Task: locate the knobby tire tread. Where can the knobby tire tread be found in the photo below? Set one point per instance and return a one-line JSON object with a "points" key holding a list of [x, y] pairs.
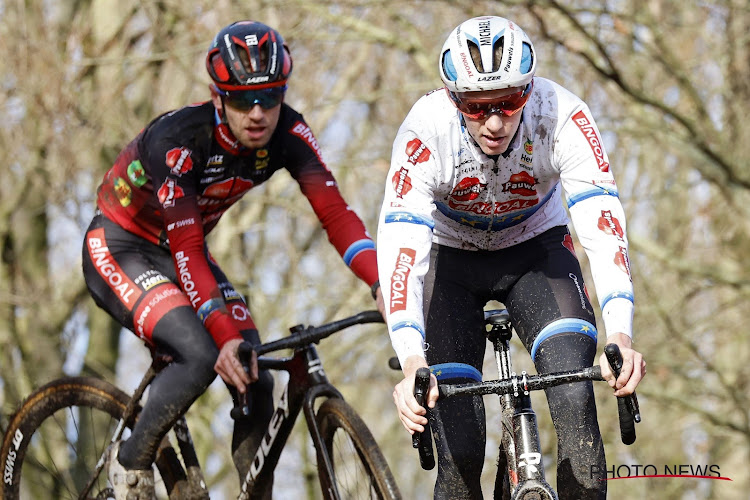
{"points": [[89, 392], [335, 414]]}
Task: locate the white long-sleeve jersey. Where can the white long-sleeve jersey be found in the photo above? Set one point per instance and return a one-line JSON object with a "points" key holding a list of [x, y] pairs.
{"points": [[441, 188]]}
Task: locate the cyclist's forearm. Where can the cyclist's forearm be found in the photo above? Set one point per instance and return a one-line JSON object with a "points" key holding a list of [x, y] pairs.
{"points": [[412, 363], [621, 339]]}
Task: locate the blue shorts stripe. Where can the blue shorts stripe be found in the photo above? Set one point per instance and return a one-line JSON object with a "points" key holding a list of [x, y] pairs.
{"points": [[565, 325], [446, 371]]}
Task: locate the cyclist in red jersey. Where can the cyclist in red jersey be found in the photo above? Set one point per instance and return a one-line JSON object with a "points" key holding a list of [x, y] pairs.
{"points": [[145, 258]]}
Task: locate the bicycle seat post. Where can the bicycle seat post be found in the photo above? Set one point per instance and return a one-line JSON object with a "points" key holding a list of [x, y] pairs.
{"points": [[499, 331]]}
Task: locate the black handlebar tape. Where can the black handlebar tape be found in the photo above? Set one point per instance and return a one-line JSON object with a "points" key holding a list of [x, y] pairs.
{"points": [[244, 401], [627, 406], [423, 441]]}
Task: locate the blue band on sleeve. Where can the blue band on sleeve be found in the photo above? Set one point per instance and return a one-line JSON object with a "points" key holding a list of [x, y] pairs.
{"points": [[446, 371], [209, 306], [357, 247], [409, 218], [408, 324], [617, 295], [599, 191], [565, 325]]}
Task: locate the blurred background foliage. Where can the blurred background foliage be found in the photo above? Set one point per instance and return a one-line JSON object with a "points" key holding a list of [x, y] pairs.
{"points": [[668, 82]]}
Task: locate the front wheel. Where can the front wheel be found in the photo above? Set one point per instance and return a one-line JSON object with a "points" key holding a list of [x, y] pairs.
{"points": [[359, 468], [57, 437]]}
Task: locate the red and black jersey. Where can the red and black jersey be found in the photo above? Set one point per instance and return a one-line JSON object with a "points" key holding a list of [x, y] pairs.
{"points": [[175, 180]]}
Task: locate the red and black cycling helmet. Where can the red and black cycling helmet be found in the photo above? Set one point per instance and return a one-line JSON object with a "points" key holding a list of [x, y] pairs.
{"points": [[248, 55]]}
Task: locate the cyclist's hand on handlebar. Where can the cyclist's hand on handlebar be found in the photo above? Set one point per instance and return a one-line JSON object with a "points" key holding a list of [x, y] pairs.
{"points": [[229, 367], [412, 415], [633, 366]]}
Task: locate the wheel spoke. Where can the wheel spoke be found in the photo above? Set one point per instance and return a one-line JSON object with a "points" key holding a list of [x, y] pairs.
{"points": [[57, 437], [359, 468]]}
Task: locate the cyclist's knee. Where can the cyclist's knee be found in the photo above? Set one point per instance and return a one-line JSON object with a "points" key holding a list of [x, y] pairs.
{"points": [[182, 336], [199, 368]]}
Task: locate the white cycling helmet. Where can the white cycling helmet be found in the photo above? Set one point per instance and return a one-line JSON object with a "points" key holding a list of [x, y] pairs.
{"points": [[487, 53]]}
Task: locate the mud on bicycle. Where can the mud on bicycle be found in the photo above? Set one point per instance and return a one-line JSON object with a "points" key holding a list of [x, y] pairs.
{"points": [[520, 464], [57, 440]]}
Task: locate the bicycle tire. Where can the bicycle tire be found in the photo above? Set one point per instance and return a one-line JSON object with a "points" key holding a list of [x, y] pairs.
{"points": [[359, 467], [43, 449]]}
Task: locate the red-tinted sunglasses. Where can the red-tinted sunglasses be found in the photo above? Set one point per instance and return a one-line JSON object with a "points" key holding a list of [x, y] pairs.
{"points": [[477, 108]]}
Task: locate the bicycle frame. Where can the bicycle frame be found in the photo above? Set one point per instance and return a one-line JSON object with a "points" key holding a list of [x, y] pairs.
{"points": [[349, 460], [522, 456], [307, 382]]}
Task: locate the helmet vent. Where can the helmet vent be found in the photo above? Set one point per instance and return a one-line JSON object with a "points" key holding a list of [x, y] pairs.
{"points": [[527, 58], [448, 68], [476, 55], [220, 71], [258, 62], [497, 53]]}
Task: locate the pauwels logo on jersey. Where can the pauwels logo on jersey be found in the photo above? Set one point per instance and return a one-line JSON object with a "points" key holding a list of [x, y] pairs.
{"points": [[226, 189], [610, 225], [417, 152], [586, 126], [623, 261], [468, 189], [401, 182], [404, 265], [169, 192], [178, 160], [521, 184]]}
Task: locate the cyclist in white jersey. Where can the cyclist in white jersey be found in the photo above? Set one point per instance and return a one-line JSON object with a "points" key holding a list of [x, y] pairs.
{"points": [[472, 212]]}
